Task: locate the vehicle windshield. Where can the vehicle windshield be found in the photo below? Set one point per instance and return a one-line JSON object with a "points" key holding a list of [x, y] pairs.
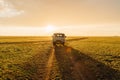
{"points": [[59, 35]]}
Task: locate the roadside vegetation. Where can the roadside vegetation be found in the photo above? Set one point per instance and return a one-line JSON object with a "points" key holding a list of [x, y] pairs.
{"points": [[105, 51], [28, 58], [25, 39], [22, 61]]}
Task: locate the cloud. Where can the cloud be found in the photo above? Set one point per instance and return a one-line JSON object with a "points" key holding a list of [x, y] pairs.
{"points": [[8, 10]]}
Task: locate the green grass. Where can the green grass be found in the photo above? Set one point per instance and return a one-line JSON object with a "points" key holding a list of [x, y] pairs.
{"points": [[24, 57], [7, 39], [21, 61], [103, 49]]}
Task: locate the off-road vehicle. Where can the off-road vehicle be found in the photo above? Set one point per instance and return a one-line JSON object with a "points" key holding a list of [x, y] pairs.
{"points": [[58, 38]]}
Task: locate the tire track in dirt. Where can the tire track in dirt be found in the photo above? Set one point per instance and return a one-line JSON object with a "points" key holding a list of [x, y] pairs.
{"points": [[69, 68], [80, 71], [76, 71], [49, 65], [72, 69]]}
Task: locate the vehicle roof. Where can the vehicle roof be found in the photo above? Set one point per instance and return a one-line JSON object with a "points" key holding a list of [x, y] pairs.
{"points": [[58, 33]]}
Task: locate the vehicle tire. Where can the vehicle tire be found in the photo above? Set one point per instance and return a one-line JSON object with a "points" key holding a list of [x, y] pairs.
{"points": [[63, 44], [54, 43]]}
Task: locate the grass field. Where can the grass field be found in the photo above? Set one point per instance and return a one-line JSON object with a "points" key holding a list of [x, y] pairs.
{"points": [[20, 61], [25, 58], [26, 39], [103, 50]]}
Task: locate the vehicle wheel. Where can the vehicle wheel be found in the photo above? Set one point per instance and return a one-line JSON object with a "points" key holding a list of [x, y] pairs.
{"points": [[63, 44], [54, 44]]}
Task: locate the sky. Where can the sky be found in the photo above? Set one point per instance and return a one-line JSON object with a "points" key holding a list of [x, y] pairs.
{"points": [[72, 17]]}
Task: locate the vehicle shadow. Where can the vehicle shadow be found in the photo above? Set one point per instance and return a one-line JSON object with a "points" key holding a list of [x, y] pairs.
{"points": [[75, 65]]}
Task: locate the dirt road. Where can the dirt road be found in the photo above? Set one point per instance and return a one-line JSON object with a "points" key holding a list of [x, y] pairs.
{"points": [[49, 65], [67, 63], [68, 68]]}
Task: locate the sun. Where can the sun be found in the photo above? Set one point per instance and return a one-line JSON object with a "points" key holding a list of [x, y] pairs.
{"points": [[50, 28]]}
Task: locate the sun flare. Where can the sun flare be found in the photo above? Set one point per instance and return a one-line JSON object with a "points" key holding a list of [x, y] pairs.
{"points": [[50, 28]]}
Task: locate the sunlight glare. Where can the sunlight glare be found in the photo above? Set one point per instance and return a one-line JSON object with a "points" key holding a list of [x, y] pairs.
{"points": [[50, 28]]}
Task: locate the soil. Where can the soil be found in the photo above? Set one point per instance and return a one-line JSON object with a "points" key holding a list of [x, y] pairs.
{"points": [[70, 68]]}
